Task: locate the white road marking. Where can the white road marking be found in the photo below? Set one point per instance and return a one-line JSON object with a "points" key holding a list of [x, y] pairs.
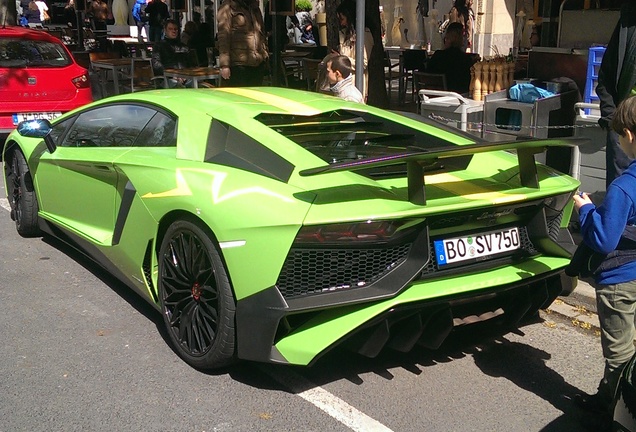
{"points": [[321, 398], [4, 203]]}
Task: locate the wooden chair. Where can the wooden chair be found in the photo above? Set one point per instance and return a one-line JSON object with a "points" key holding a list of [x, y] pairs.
{"points": [[142, 76], [412, 60], [429, 81], [103, 77], [391, 71], [310, 72]]}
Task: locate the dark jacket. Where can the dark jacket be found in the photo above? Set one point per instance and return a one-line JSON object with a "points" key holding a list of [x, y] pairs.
{"points": [[455, 64], [616, 76], [170, 53], [32, 16], [157, 12]]}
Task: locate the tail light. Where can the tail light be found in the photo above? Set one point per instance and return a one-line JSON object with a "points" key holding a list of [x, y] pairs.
{"points": [[375, 232], [81, 81]]}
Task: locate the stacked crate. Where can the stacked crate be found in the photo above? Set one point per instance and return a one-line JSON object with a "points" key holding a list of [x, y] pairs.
{"points": [[595, 57]]}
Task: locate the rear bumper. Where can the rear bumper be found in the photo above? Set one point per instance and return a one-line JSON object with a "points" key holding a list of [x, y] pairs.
{"points": [[424, 314]]}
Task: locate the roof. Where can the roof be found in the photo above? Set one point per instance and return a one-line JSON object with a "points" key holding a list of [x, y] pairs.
{"points": [[27, 33], [248, 101]]}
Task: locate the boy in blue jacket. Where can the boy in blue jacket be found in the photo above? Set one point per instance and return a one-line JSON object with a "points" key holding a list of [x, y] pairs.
{"points": [[602, 228]]}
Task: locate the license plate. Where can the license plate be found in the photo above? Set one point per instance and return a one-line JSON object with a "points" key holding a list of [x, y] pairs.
{"points": [[17, 118], [476, 247]]}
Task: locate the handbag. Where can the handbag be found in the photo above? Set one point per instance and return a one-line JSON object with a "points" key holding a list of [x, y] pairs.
{"points": [[442, 27], [586, 262]]}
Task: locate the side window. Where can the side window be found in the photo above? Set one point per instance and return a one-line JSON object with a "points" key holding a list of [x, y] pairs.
{"points": [[60, 128], [161, 131], [109, 126]]}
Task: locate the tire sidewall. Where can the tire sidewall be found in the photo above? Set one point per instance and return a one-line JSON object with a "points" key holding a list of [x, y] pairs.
{"points": [[26, 215], [221, 352]]}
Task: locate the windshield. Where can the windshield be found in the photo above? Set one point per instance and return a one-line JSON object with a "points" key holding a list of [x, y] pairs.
{"points": [[18, 53]]}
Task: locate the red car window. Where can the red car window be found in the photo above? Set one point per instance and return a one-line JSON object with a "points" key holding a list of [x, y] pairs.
{"points": [[17, 53]]}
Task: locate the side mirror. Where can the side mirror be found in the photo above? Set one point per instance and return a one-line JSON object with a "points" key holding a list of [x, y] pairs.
{"points": [[39, 128]]}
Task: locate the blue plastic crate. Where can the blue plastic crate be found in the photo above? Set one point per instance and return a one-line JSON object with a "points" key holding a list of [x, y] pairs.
{"points": [[595, 57]]}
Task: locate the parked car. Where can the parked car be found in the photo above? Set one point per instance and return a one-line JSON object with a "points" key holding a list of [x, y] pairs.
{"points": [[272, 225], [39, 78]]}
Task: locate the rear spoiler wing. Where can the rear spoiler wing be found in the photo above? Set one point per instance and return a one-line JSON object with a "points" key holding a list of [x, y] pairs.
{"points": [[525, 149]]}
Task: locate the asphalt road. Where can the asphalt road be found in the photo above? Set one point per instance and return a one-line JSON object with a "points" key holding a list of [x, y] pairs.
{"points": [[82, 353]]}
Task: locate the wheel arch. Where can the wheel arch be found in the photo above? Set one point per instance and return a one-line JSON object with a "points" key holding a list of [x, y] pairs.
{"points": [[9, 148], [180, 214]]}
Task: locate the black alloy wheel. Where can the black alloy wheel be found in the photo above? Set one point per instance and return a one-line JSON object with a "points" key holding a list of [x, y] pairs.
{"points": [[196, 298]]}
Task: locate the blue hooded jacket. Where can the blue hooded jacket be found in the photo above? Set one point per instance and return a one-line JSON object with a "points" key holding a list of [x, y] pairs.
{"points": [[603, 226], [136, 11]]}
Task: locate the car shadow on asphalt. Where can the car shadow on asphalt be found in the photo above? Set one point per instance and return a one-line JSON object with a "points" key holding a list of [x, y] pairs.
{"points": [[486, 344], [127, 294], [493, 353]]}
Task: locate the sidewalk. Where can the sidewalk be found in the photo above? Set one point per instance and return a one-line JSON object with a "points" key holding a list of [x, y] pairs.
{"points": [[580, 306]]}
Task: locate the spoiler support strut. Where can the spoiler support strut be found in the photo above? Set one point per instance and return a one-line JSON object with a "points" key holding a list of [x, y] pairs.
{"points": [[525, 150]]}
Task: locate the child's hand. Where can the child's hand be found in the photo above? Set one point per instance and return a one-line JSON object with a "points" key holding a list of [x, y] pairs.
{"points": [[580, 199]]}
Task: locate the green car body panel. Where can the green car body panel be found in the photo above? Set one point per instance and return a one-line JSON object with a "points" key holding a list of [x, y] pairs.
{"points": [[136, 192]]}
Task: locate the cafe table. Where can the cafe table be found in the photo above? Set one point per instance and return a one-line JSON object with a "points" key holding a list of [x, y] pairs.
{"points": [[116, 66], [195, 74]]}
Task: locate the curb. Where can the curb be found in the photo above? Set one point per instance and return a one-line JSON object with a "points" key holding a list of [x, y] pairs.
{"points": [[579, 307]]}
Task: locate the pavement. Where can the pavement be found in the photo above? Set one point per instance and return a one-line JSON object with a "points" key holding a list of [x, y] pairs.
{"points": [[579, 307]]}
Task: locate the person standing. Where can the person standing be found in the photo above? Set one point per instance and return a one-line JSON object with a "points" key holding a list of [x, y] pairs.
{"points": [[462, 13], [98, 11], [32, 13], [70, 14], [609, 230], [43, 7], [140, 17], [616, 81], [535, 35], [341, 79], [158, 13], [347, 39], [242, 43]]}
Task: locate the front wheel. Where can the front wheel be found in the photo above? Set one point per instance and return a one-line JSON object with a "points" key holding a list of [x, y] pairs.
{"points": [[24, 203], [196, 298]]}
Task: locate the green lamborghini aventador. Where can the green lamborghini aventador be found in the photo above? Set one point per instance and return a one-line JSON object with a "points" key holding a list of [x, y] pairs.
{"points": [[272, 225]]}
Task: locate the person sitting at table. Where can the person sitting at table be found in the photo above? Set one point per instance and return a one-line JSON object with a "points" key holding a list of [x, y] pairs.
{"points": [[307, 34], [189, 33], [171, 53], [342, 80], [452, 61]]}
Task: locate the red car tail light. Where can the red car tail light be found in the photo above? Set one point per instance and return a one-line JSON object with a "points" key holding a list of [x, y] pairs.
{"points": [[81, 81], [356, 232]]}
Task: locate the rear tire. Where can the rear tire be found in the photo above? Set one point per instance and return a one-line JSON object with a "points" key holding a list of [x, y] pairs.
{"points": [[196, 298], [22, 198]]}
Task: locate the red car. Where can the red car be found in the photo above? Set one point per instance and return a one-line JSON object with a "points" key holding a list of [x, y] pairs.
{"points": [[39, 78]]}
